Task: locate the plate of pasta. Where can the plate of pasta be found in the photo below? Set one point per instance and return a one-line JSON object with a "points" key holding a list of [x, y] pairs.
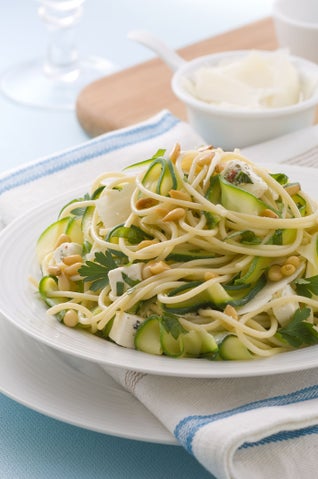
{"points": [[194, 263]]}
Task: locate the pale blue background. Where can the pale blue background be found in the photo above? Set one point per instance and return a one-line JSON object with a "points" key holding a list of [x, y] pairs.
{"points": [[33, 446]]}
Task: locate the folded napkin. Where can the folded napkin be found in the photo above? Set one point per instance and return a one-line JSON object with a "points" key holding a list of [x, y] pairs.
{"points": [[251, 428], [238, 428]]}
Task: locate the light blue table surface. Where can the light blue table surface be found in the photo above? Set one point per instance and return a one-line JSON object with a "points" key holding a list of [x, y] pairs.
{"points": [[33, 446]]}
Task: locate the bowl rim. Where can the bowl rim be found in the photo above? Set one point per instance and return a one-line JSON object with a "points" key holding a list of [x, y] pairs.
{"points": [[282, 15], [200, 105]]}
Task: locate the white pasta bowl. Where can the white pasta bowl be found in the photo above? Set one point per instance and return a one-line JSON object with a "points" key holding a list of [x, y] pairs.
{"points": [[241, 127]]}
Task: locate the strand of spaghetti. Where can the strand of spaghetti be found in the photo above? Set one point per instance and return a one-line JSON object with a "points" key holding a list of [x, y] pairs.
{"points": [[198, 228], [70, 305], [204, 203], [253, 323], [257, 349], [74, 205], [231, 323], [195, 177], [205, 243], [259, 250], [214, 163], [245, 220], [167, 199], [110, 174], [74, 295], [97, 240], [130, 250], [230, 268], [190, 325], [165, 299], [151, 229], [102, 297], [155, 248], [208, 262]]}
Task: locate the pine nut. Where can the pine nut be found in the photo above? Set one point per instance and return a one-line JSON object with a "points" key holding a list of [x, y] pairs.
{"points": [[146, 273], [158, 267], [63, 282], [174, 215], [175, 152], [187, 160], [72, 258], [54, 270], [293, 189], [269, 213], [161, 211], [145, 243], [219, 167], [154, 267], [230, 311], [287, 269], [72, 269], [294, 260], [63, 238], [179, 195], [205, 158], [145, 203], [206, 147], [274, 273], [71, 318]]}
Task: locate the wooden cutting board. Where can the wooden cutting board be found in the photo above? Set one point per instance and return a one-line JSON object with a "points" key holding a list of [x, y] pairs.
{"points": [[139, 92]]}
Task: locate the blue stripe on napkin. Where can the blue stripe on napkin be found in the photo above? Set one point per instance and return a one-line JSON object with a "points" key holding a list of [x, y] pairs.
{"points": [[283, 436], [186, 430], [99, 146]]}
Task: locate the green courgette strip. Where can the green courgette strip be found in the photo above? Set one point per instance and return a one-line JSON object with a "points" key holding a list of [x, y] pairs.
{"points": [[160, 177]]}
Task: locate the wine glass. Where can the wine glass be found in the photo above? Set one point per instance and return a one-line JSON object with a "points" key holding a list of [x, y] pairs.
{"points": [[55, 81]]}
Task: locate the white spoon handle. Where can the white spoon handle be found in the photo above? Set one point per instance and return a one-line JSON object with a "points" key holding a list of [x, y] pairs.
{"points": [[169, 56]]}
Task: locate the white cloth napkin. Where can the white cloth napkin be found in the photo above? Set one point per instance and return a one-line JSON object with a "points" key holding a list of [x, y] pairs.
{"points": [[251, 428]]}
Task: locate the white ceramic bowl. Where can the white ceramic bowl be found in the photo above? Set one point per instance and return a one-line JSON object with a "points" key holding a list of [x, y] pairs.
{"points": [[230, 128], [296, 25]]}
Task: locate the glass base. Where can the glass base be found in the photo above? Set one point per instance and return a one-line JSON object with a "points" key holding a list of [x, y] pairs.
{"points": [[36, 84]]}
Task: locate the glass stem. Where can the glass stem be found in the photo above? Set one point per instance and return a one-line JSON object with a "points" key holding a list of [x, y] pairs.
{"points": [[61, 18]]}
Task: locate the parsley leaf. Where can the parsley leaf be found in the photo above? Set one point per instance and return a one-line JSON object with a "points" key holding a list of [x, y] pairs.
{"points": [[131, 282], [96, 272], [299, 331], [241, 177], [78, 212], [307, 286], [277, 237], [132, 234], [245, 237], [171, 325], [249, 237], [120, 288]]}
